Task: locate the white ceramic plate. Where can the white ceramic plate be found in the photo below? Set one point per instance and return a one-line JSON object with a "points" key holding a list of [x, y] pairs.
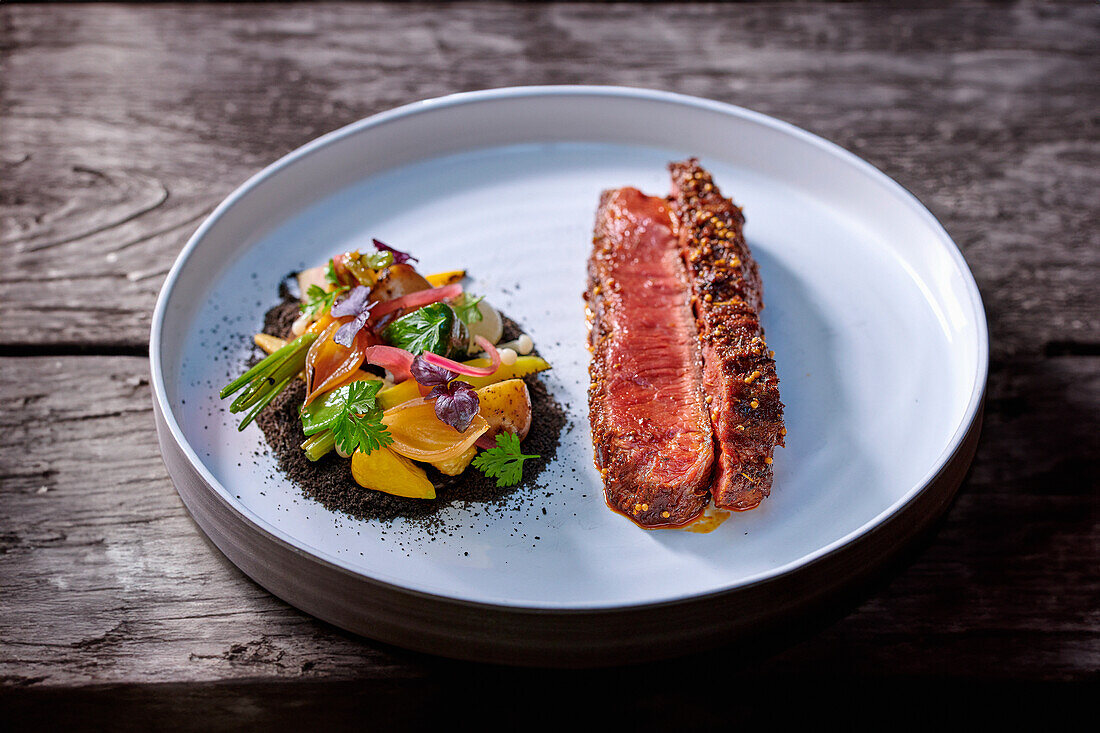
{"points": [[876, 322]]}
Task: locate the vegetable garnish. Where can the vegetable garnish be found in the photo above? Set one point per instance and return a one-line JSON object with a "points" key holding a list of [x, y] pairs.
{"points": [[505, 462], [429, 374], [356, 304], [330, 272], [418, 299], [441, 399], [456, 402], [319, 300], [268, 378], [398, 256], [379, 260], [351, 414], [465, 306], [329, 364], [435, 328], [470, 371], [396, 360]]}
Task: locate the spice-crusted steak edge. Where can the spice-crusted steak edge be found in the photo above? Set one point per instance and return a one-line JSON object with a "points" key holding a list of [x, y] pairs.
{"points": [[650, 429], [738, 369]]}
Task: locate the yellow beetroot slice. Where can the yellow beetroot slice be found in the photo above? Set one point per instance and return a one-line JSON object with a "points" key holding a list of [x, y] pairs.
{"points": [[383, 470], [418, 434]]}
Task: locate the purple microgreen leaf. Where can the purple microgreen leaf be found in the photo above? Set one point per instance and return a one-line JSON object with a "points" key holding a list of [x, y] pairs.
{"points": [[430, 375], [398, 256], [354, 305], [346, 334], [456, 404]]}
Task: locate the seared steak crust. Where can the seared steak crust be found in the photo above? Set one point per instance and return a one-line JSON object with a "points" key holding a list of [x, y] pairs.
{"points": [[650, 427], [739, 376]]}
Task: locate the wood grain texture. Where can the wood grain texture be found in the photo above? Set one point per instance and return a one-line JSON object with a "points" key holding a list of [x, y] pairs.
{"points": [[122, 126], [125, 125], [106, 579]]}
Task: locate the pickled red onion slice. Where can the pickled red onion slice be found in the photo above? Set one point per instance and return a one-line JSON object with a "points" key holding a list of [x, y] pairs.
{"points": [[470, 371], [417, 300], [396, 360]]}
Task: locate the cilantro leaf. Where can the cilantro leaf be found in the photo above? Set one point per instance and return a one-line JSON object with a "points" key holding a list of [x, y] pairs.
{"points": [[361, 395], [365, 433], [465, 306], [319, 300], [330, 272], [505, 462], [353, 416]]}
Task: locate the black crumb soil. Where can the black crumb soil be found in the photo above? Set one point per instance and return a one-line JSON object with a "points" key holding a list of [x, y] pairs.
{"points": [[329, 480]]}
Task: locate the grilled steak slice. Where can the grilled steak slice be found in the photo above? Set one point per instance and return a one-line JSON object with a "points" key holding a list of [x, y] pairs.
{"points": [[738, 370], [650, 428]]}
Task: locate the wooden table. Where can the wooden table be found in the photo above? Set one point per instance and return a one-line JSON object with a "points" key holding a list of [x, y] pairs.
{"points": [[121, 127]]}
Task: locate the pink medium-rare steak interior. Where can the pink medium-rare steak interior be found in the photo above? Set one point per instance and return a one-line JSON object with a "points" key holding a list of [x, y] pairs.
{"points": [[650, 427]]}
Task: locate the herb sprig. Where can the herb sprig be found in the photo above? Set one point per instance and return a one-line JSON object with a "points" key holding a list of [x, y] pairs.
{"points": [[465, 306], [319, 301], [352, 415], [505, 462]]}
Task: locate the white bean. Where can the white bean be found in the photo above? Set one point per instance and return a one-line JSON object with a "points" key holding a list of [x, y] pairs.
{"points": [[524, 344]]}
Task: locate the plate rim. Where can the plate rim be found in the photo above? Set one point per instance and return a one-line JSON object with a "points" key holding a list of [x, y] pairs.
{"points": [[970, 414]]}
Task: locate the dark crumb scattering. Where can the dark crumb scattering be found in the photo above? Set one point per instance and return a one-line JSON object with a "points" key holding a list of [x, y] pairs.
{"points": [[329, 480]]}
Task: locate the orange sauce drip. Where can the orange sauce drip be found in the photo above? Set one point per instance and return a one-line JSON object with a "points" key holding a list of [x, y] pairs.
{"points": [[711, 518]]}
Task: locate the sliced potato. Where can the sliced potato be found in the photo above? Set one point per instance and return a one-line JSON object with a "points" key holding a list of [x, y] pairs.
{"points": [[386, 471], [506, 406]]}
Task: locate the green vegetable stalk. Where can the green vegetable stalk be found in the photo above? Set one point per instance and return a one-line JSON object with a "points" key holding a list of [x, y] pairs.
{"points": [[263, 382]]}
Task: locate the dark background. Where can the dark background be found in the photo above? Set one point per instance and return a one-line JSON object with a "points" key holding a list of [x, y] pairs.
{"points": [[122, 126]]}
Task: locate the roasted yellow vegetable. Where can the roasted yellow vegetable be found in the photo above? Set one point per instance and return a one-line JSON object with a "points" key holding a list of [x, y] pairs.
{"points": [[458, 464], [418, 434], [386, 471], [408, 390], [439, 279], [506, 406], [269, 343]]}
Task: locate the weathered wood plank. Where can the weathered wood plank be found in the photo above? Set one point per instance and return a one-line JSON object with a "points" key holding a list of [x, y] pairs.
{"points": [[106, 580], [117, 137]]}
